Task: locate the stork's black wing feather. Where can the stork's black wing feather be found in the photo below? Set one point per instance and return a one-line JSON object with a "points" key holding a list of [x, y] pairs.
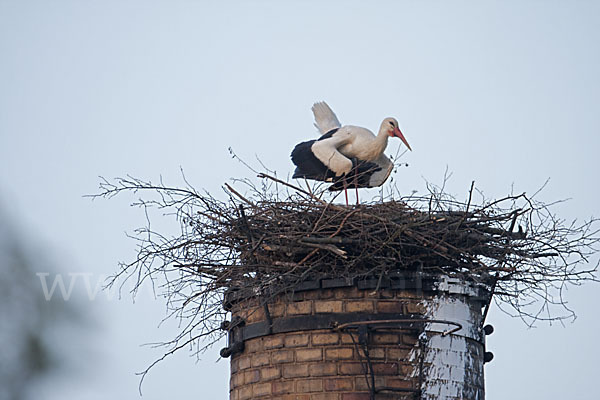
{"points": [[307, 165]]}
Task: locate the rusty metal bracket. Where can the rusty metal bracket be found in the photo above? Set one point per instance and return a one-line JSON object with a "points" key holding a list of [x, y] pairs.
{"points": [[241, 332], [232, 327]]}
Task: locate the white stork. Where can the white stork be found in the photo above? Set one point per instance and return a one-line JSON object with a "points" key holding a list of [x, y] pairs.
{"points": [[347, 156]]}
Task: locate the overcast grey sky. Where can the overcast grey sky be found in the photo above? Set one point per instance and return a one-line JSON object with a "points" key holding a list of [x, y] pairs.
{"points": [[503, 93]]}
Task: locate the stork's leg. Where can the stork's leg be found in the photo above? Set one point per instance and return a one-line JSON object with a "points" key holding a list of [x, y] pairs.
{"points": [[346, 191], [356, 182]]}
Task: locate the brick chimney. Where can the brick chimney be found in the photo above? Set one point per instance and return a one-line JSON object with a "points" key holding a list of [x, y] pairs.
{"points": [[402, 337]]}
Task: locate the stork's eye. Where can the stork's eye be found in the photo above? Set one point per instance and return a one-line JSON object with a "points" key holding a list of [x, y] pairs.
{"points": [[391, 123]]}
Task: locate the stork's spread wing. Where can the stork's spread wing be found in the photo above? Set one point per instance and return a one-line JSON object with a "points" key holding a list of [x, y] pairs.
{"points": [[326, 151], [325, 119], [320, 159]]}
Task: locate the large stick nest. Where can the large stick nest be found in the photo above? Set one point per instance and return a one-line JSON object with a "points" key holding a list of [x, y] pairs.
{"points": [[314, 240], [273, 238]]}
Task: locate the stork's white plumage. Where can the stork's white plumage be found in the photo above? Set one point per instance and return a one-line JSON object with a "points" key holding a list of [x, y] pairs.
{"points": [[348, 156]]}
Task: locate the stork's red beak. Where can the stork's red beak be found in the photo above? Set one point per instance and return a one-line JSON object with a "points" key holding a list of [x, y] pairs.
{"points": [[399, 134]]}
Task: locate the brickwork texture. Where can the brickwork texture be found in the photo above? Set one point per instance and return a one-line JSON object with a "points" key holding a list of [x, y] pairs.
{"points": [[327, 364]]}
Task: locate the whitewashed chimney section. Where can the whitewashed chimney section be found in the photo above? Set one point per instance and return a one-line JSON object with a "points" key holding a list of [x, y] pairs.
{"points": [[453, 362]]}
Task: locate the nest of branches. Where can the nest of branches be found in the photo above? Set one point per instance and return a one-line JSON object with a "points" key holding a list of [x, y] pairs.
{"points": [[291, 241], [271, 239]]}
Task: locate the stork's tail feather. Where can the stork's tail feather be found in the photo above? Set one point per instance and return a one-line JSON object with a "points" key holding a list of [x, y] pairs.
{"points": [[325, 118]]}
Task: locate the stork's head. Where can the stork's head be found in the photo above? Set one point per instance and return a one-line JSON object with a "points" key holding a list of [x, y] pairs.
{"points": [[391, 125]]}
